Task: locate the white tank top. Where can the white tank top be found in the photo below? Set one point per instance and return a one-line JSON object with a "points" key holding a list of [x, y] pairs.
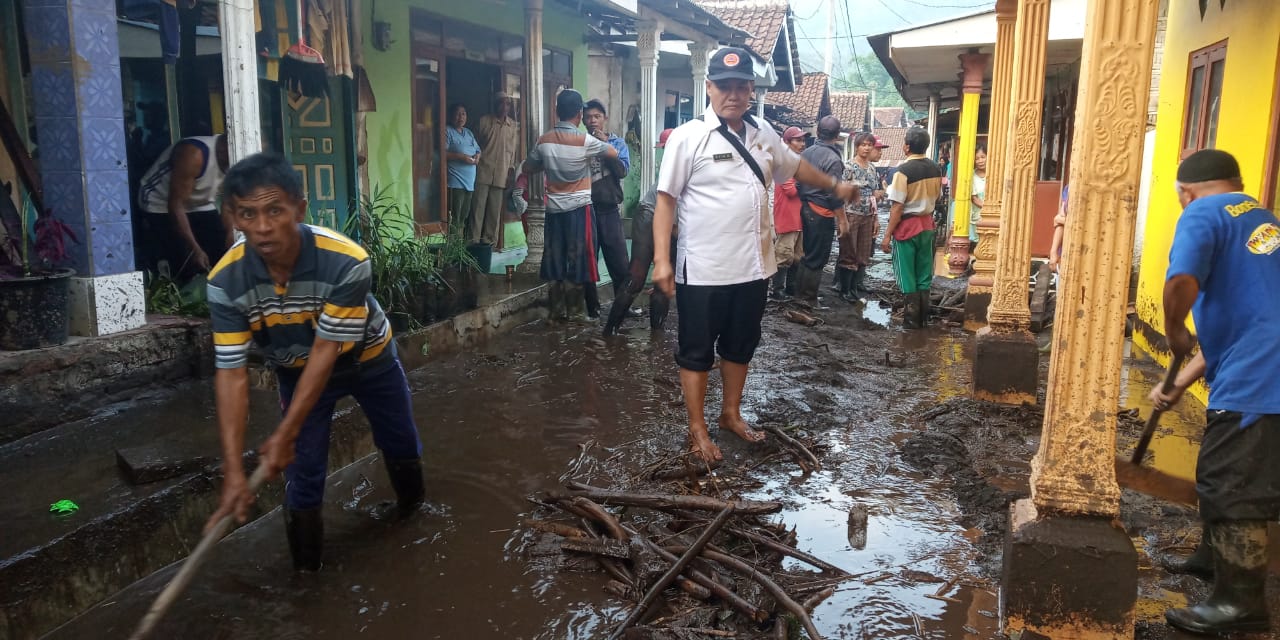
{"points": [[153, 194]]}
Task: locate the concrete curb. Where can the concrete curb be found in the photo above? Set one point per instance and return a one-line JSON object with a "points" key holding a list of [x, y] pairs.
{"points": [[48, 585]]}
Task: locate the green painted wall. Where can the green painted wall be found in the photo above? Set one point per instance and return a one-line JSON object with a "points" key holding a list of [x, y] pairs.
{"points": [[390, 74]]}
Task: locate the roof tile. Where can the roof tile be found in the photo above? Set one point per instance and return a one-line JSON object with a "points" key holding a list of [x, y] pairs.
{"points": [[763, 19], [895, 137], [810, 101], [851, 108]]}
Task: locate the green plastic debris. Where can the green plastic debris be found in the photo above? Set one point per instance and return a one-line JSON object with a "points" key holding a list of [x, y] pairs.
{"points": [[63, 508]]}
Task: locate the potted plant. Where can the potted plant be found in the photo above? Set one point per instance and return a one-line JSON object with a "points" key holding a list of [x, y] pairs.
{"points": [[458, 268], [34, 292], [403, 266]]}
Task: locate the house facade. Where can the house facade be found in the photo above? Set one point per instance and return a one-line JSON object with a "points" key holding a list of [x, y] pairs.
{"points": [[1219, 88]]}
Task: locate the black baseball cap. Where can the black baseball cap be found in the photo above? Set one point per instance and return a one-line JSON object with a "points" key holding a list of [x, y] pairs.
{"points": [[596, 103], [569, 100], [731, 63]]}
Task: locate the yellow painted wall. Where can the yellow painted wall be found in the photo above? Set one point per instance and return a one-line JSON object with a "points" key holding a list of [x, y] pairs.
{"points": [[1252, 31]]}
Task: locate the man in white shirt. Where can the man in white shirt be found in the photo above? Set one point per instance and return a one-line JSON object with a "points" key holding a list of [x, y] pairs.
{"points": [[725, 256]]}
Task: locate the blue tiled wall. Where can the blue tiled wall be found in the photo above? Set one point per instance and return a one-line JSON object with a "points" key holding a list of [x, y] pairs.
{"points": [[79, 115]]}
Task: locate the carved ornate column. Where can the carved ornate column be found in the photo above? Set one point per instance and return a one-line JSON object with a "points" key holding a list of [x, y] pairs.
{"points": [[934, 98], [698, 54], [1081, 567], [979, 295], [1006, 358], [649, 34], [534, 101], [974, 65]]}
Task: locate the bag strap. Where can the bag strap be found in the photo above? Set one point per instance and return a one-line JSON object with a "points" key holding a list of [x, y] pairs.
{"points": [[742, 151]]}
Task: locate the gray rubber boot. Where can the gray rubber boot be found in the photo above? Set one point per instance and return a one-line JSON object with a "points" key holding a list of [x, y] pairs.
{"points": [[1238, 601]]}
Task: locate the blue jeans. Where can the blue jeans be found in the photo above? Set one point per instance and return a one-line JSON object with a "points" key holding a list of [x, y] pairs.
{"points": [[383, 395]]}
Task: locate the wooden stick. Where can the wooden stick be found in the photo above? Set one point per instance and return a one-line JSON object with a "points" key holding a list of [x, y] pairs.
{"points": [[788, 551], [673, 571], [188, 570], [816, 599], [667, 502], [795, 444], [558, 528], [776, 592], [747, 609]]}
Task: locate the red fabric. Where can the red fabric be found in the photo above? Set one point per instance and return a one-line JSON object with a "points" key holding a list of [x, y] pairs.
{"points": [[786, 207], [912, 226]]}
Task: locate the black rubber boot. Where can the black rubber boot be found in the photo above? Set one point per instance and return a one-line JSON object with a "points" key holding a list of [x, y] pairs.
{"points": [[555, 301], [837, 283], [926, 300], [575, 302], [807, 288], [779, 283], [1238, 601], [406, 480], [305, 531], [860, 283], [1198, 564], [793, 276], [592, 297], [848, 290], [911, 311]]}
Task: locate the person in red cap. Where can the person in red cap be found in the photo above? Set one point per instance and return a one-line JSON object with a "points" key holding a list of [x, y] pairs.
{"points": [[787, 249], [715, 179]]}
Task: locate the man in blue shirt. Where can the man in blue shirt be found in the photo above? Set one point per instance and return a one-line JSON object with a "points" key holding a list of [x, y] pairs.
{"points": [[606, 198], [463, 154], [1223, 267]]}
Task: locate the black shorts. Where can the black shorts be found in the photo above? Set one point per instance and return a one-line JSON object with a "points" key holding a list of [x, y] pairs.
{"points": [[1237, 477], [722, 319]]}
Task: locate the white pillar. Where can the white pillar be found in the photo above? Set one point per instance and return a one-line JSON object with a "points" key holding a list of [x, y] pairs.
{"points": [[240, 78], [760, 104], [649, 35], [698, 53], [933, 124], [533, 101]]}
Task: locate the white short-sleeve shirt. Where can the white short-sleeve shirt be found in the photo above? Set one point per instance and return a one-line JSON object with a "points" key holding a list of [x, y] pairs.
{"points": [[726, 229]]}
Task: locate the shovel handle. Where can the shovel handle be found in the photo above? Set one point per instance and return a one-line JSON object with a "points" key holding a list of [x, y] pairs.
{"points": [[1166, 387], [188, 569]]}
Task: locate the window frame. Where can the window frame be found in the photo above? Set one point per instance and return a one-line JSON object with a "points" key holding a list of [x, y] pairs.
{"points": [[1200, 59]]}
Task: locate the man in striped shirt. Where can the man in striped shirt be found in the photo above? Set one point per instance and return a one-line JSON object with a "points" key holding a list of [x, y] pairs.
{"points": [[916, 185], [301, 294], [569, 254]]}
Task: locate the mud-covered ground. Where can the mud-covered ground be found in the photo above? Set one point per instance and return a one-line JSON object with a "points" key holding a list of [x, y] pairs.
{"points": [[884, 410]]}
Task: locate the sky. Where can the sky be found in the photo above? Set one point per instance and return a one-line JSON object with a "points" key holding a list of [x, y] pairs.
{"points": [[864, 18]]}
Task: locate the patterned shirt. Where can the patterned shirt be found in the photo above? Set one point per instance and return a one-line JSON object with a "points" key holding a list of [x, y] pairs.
{"points": [[327, 296], [868, 182], [565, 153]]}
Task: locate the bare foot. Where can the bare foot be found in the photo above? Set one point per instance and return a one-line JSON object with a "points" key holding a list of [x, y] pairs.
{"points": [[701, 445], [740, 427]]}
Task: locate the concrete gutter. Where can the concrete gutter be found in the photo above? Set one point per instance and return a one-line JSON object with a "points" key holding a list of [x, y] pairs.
{"points": [[47, 584]]}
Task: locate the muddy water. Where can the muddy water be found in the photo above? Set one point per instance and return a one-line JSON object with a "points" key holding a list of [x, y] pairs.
{"points": [[545, 404]]}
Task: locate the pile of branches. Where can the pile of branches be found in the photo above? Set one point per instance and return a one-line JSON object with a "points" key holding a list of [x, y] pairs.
{"points": [[692, 566]]}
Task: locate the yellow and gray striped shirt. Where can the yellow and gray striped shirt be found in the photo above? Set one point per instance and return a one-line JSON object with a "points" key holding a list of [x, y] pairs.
{"points": [[327, 296]]}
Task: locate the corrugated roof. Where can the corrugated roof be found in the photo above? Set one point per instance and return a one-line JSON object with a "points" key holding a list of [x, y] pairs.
{"points": [[895, 137], [810, 101], [851, 108]]}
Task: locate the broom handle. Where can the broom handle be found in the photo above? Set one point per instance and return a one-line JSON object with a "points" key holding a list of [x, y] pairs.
{"points": [[1166, 387], [188, 570], [302, 27]]}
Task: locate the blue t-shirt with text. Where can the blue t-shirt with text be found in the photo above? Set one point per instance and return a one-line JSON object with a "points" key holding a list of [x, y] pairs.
{"points": [[1231, 245]]}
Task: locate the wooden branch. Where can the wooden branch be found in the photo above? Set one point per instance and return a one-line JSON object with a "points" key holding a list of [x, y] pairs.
{"points": [[675, 570], [789, 551], [667, 501], [776, 592], [734, 600], [795, 444], [558, 528], [610, 548], [816, 599]]}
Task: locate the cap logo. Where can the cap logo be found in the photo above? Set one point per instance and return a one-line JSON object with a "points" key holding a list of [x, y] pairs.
{"points": [[731, 60]]}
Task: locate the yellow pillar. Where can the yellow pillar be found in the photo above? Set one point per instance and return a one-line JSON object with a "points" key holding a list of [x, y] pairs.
{"points": [[1064, 540], [978, 297], [973, 65], [1006, 359]]}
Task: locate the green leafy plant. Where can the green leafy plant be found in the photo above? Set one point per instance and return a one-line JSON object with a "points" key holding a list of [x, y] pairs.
{"points": [[402, 264], [166, 297]]}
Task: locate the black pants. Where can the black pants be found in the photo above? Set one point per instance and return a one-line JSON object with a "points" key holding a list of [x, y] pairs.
{"points": [[169, 245], [722, 319], [818, 231], [1237, 477], [612, 242]]}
